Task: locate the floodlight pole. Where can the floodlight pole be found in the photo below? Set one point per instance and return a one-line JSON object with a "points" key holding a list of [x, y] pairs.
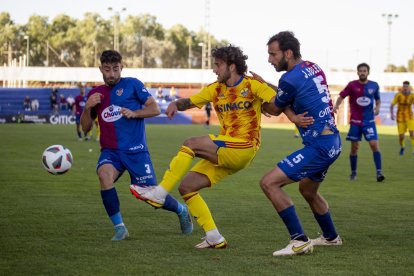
{"points": [[27, 49], [389, 17], [116, 17]]}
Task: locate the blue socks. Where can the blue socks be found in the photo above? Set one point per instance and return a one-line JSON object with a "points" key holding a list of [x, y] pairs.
{"points": [[377, 160], [111, 202], [353, 159], [327, 225], [171, 204], [291, 220]]}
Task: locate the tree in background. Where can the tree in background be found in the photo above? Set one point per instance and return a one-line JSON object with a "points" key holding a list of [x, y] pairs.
{"points": [[67, 41]]}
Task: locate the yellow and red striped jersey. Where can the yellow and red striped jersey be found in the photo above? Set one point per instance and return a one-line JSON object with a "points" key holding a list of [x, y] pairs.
{"points": [[238, 107], [404, 109]]}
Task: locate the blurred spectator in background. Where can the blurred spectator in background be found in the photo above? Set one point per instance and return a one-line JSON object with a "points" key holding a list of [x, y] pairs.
{"points": [[35, 104], [70, 100], [27, 104], [54, 101], [63, 105], [172, 96], [160, 95]]}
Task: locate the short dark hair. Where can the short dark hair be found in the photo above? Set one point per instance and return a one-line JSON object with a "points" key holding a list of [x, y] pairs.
{"points": [[287, 41], [110, 56], [406, 82], [363, 65], [232, 55]]}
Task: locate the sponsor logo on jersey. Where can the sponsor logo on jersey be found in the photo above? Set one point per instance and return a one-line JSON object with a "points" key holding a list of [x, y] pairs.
{"points": [[363, 101], [111, 114], [324, 112], [119, 91], [233, 106]]}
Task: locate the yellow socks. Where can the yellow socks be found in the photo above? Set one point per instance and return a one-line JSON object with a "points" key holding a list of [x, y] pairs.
{"points": [[179, 166], [200, 211]]}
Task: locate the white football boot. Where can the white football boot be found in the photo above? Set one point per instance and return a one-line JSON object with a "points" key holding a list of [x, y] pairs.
{"points": [[295, 247]]}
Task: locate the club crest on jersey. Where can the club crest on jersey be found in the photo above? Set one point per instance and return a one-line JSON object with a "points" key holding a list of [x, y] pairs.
{"points": [[371, 91], [119, 91], [111, 114], [244, 92]]}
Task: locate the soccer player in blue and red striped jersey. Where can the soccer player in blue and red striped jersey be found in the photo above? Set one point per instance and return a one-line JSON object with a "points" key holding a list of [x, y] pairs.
{"points": [[77, 109], [121, 105], [304, 89], [362, 94]]}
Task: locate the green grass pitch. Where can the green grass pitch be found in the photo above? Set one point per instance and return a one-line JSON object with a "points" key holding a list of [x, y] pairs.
{"points": [[57, 224]]}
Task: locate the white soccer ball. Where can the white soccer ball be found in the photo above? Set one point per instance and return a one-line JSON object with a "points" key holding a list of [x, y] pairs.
{"points": [[57, 159]]}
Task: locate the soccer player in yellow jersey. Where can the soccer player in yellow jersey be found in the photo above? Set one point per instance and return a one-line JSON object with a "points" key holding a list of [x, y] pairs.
{"points": [[405, 120], [237, 100]]}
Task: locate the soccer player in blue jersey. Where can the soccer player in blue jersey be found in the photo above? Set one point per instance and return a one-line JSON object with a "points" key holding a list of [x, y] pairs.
{"points": [[362, 95], [303, 88], [121, 105]]}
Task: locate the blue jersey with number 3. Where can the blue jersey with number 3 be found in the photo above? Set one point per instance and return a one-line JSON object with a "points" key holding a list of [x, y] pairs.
{"points": [[304, 89]]}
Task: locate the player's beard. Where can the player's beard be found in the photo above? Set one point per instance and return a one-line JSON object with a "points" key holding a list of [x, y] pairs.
{"points": [[111, 81], [281, 66], [363, 78], [224, 77]]}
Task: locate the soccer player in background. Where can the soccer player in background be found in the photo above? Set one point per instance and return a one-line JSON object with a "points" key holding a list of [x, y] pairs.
{"points": [[77, 109], [207, 108], [405, 120], [303, 88], [237, 100], [362, 95], [121, 105]]}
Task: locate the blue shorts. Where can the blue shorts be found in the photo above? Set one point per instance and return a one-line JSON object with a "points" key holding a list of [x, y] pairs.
{"points": [[313, 160], [355, 132], [77, 119], [138, 165]]}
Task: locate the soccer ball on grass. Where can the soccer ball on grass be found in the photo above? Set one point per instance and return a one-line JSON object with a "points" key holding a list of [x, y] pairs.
{"points": [[57, 159]]}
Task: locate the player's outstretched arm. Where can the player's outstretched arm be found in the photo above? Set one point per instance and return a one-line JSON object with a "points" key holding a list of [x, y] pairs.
{"points": [[151, 109], [337, 104], [178, 105], [259, 78]]}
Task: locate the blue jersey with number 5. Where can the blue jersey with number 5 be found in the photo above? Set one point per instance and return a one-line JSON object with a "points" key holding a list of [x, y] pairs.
{"points": [[304, 89]]}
